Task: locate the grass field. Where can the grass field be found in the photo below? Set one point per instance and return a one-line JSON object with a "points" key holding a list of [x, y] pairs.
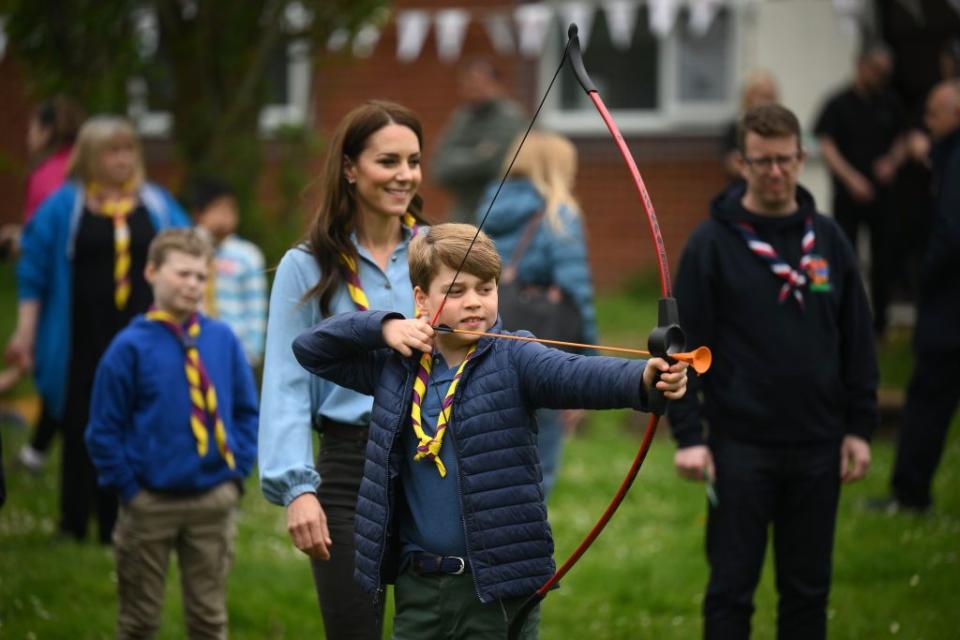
{"points": [[895, 576]]}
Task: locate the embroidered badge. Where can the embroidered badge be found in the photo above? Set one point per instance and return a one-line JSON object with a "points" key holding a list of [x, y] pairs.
{"points": [[818, 271]]}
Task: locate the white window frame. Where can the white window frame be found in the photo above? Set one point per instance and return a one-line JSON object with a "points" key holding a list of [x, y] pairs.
{"points": [[159, 124], [672, 117]]}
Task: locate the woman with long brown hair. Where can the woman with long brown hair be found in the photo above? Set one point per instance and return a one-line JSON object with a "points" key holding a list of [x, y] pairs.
{"points": [[354, 257]]}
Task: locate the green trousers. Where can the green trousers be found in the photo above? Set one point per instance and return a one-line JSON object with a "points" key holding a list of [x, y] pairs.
{"points": [[446, 607]]}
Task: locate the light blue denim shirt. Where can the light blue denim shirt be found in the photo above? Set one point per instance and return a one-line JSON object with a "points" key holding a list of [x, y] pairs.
{"points": [[292, 399]]}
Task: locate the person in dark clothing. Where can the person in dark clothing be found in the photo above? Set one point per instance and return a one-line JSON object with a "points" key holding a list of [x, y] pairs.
{"points": [[471, 148], [771, 285], [934, 390], [860, 132]]}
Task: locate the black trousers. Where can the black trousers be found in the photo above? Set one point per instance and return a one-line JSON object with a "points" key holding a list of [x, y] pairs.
{"points": [[79, 492], [348, 612], [932, 399], [850, 215], [796, 490]]}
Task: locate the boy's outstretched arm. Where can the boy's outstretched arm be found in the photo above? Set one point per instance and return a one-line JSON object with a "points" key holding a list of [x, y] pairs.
{"points": [[558, 380], [347, 349]]}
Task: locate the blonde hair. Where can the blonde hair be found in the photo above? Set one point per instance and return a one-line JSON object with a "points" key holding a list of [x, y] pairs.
{"points": [[549, 161], [95, 136], [446, 244], [185, 240]]}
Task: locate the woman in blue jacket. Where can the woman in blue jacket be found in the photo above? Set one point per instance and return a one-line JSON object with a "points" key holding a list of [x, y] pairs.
{"points": [[354, 257], [80, 280], [541, 184]]}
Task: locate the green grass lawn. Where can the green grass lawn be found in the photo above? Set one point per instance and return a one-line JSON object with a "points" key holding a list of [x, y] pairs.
{"points": [[895, 576]]}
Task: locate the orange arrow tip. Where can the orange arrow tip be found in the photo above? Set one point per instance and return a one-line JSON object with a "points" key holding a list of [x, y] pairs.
{"points": [[700, 358]]}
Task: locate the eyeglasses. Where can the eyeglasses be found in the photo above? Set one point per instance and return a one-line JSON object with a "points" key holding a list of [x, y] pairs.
{"points": [[765, 163]]}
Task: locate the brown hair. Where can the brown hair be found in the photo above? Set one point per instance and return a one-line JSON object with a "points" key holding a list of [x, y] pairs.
{"points": [[767, 121], [94, 138], [329, 233], [446, 244], [62, 117], [185, 240]]}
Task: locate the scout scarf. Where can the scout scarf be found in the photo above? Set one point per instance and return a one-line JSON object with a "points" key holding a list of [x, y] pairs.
{"points": [[793, 279], [203, 396], [353, 271], [118, 209], [429, 447]]}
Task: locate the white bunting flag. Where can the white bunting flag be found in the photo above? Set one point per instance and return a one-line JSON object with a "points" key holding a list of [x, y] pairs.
{"points": [[365, 41], [500, 31], [663, 13], [412, 28], [533, 22], [621, 19], [450, 29], [702, 13]]}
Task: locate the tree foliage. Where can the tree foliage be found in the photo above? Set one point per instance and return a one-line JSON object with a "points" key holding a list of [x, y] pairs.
{"points": [[210, 58]]}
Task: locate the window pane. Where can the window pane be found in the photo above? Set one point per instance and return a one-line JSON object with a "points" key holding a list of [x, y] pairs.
{"points": [[627, 79], [704, 60]]}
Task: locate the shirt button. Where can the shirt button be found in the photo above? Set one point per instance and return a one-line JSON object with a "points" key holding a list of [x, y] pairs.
{"points": [[393, 258], [388, 286]]}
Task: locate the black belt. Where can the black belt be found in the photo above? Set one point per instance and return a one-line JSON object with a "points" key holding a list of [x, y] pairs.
{"points": [[427, 563]]}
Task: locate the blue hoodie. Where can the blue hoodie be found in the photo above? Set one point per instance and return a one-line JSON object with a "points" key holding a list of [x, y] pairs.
{"points": [[45, 275], [139, 433], [553, 256]]}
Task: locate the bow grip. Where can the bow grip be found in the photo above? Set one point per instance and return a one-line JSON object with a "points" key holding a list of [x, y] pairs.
{"points": [[665, 339]]}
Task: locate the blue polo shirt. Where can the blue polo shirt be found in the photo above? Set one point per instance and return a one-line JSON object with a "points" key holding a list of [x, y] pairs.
{"points": [[430, 517]]}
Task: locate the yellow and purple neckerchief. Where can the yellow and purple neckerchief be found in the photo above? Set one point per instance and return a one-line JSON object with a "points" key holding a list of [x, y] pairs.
{"points": [[794, 279], [353, 271], [203, 395], [429, 446], [119, 210]]}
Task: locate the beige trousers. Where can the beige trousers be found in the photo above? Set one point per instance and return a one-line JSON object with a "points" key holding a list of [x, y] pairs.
{"points": [[201, 528]]}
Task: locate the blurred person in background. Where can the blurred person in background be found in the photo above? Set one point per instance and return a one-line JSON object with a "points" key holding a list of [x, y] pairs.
{"points": [[471, 149], [354, 257], [934, 389], [80, 280], [237, 287], [760, 87], [861, 131], [537, 226], [50, 137], [787, 411]]}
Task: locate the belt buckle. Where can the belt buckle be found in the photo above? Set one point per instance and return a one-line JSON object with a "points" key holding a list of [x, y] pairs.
{"points": [[463, 566]]}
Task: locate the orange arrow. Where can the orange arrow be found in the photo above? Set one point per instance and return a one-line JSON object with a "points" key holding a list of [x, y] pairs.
{"points": [[700, 358]]}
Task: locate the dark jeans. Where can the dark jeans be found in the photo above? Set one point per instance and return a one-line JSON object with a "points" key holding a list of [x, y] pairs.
{"points": [[79, 492], [883, 257], [932, 399], [348, 612], [796, 489]]}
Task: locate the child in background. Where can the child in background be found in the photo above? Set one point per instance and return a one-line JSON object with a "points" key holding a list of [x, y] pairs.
{"points": [[173, 429], [451, 506], [237, 287]]}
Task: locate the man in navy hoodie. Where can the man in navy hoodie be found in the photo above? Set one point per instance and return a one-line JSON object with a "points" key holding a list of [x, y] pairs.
{"points": [[789, 406]]}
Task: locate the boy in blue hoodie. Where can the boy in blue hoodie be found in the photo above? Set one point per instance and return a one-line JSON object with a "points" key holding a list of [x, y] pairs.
{"points": [[173, 429], [451, 505]]}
